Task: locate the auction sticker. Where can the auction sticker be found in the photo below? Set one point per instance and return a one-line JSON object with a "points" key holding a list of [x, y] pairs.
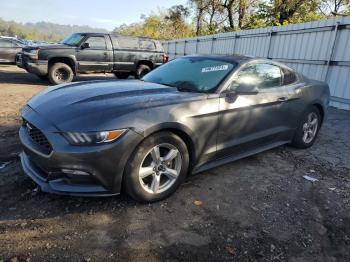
{"points": [[214, 68]]}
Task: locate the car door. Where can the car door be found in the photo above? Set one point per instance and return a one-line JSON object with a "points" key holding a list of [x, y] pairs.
{"points": [[253, 121], [95, 55], [7, 51]]}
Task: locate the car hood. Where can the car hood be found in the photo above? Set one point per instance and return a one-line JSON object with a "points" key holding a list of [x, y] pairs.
{"points": [[47, 46], [80, 106]]}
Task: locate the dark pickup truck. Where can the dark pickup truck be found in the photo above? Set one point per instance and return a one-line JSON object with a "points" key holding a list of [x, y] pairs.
{"points": [[92, 53]]}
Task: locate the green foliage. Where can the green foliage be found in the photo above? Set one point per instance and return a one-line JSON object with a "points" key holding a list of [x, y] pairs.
{"points": [[41, 31], [165, 25], [198, 17], [215, 16]]}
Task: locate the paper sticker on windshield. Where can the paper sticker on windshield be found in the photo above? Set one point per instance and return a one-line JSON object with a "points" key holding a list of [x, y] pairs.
{"points": [[215, 68]]}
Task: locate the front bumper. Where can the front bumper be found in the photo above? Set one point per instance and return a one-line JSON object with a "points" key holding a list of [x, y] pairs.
{"points": [[100, 168], [38, 67], [60, 186]]}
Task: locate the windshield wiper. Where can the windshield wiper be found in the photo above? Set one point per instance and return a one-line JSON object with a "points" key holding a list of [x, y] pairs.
{"points": [[186, 89], [165, 84]]}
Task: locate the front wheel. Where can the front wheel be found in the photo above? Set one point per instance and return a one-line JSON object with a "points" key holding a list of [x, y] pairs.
{"points": [[157, 168], [60, 73], [308, 129]]}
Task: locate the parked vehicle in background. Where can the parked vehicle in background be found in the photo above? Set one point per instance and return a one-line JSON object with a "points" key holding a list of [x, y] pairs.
{"points": [[9, 48], [93, 53], [192, 114]]}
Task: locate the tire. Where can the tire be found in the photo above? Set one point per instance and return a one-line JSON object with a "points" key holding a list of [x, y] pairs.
{"points": [[60, 73], [142, 185], [43, 77], [310, 123], [142, 70], [122, 75]]}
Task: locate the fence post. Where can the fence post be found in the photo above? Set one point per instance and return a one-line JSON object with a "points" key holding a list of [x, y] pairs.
{"points": [[185, 47], [269, 45], [330, 57], [167, 47], [212, 45], [234, 44], [175, 49], [197, 41]]}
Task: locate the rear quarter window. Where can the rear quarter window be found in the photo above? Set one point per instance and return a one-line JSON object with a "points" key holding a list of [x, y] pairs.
{"points": [[125, 42], [147, 44], [289, 77]]}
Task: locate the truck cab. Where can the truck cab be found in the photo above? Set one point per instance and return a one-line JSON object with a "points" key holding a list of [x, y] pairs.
{"points": [[93, 53]]}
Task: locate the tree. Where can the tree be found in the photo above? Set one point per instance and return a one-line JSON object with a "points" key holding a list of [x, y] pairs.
{"points": [[176, 17], [229, 5], [164, 25], [199, 6], [335, 7]]}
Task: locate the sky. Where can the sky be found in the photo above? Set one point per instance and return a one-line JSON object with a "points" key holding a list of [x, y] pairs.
{"points": [[96, 13]]}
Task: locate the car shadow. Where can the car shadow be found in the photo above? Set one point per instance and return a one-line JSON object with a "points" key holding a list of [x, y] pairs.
{"points": [[13, 75], [10, 74]]}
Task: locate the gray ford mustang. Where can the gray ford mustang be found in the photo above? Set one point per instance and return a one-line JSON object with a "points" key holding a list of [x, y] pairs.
{"points": [[191, 114]]}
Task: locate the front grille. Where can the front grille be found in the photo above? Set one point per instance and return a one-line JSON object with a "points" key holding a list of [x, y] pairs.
{"points": [[38, 137]]}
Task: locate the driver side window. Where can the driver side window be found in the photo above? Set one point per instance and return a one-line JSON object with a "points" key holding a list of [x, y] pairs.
{"points": [[247, 75], [261, 75], [96, 42]]}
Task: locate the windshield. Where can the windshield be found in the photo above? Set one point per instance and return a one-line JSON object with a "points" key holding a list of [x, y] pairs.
{"points": [[73, 40], [193, 74]]}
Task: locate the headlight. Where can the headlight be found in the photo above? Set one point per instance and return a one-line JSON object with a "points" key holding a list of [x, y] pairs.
{"points": [[32, 53], [93, 138]]}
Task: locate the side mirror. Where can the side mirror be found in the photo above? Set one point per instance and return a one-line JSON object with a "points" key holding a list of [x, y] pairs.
{"points": [[85, 45], [246, 89]]}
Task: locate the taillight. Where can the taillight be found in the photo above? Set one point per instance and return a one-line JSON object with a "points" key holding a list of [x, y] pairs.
{"points": [[165, 58]]}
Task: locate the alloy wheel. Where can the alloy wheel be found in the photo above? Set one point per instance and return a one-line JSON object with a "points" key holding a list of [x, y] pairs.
{"points": [[310, 128], [160, 168]]}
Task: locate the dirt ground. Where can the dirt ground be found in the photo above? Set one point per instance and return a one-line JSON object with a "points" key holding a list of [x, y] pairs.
{"points": [[256, 209]]}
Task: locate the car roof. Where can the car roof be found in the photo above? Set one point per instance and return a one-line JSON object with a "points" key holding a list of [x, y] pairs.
{"points": [[241, 59], [131, 36], [229, 58]]}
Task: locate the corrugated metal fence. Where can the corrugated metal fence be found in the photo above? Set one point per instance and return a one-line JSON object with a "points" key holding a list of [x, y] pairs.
{"points": [[319, 50]]}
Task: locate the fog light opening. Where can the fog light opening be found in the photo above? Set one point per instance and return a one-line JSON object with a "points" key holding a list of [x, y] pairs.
{"points": [[75, 172]]}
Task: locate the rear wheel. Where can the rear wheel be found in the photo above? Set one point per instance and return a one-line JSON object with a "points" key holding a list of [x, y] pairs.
{"points": [[142, 70], [157, 168], [308, 129], [122, 75], [60, 73]]}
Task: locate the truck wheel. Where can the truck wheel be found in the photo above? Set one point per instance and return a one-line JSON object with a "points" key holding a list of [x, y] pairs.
{"points": [[60, 73], [122, 75], [142, 70]]}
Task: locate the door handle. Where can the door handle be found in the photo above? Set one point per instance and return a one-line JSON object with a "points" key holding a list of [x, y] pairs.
{"points": [[282, 99], [105, 53]]}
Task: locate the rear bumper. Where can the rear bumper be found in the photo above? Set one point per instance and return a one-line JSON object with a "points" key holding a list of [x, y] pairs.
{"points": [[19, 61]]}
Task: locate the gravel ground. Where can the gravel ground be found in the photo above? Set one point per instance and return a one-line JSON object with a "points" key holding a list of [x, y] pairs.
{"points": [[256, 209]]}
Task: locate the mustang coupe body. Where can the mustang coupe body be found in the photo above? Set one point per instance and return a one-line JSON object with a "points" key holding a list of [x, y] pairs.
{"points": [[189, 115]]}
